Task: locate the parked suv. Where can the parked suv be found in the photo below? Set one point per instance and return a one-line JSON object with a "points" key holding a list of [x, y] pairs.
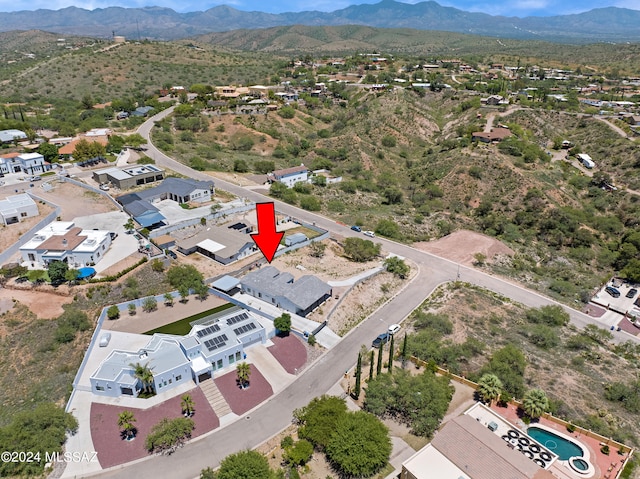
{"points": [[612, 291], [632, 292], [381, 339]]}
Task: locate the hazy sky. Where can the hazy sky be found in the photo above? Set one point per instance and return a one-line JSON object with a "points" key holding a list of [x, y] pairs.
{"points": [[519, 8]]}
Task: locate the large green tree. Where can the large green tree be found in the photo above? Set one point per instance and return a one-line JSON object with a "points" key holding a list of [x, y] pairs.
{"points": [[418, 401], [360, 445], [245, 465], [360, 250], [57, 272], [86, 150], [41, 429], [184, 275], [318, 419], [283, 324]]}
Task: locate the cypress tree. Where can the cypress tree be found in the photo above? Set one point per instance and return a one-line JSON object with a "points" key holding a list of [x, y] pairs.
{"points": [[391, 346], [379, 365], [356, 390], [371, 365]]}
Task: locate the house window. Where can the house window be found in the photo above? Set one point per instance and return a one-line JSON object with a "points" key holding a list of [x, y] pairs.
{"points": [[238, 356], [32, 257], [23, 214], [178, 377], [219, 363], [99, 388], [231, 359], [102, 247], [165, 383], [108, 386], [170, 381]]}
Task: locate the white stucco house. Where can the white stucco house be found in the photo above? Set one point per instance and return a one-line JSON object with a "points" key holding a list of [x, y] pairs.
{"points": [[15, 208], [290, 176], [213, 344], [63, 241]]}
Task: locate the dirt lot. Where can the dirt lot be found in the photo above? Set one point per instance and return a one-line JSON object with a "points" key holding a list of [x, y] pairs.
{"points": [[461, 246], [45, 305], [75, 201]]}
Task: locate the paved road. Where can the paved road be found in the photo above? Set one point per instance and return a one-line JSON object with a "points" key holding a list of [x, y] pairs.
{"points": [[275, 414]]}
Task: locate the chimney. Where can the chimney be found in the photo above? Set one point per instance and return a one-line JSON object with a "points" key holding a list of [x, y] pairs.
{"points": [[64, 241]]}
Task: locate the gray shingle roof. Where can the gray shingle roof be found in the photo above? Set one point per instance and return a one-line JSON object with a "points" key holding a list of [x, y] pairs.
{"points": [[177, 186], [302, 292]]}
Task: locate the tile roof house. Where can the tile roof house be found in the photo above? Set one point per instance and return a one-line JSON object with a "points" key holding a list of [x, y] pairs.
{"points": [[470, 447], [496, 134], [299, 296]]}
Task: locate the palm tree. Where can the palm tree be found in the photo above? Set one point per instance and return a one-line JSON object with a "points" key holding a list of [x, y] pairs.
{"points": [[489, 388], [187, 405], [535, 403], [144, 374], [125, 422], [243, 370], [168, 299]]}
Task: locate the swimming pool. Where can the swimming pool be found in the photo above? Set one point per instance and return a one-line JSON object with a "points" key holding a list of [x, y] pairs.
{"points": [[564, 448]]}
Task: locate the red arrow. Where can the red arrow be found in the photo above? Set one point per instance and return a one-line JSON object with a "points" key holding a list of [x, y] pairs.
{"points": [[267, 238]]}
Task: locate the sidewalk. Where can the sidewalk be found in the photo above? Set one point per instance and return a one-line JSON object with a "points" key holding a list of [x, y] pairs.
{"points": [[355, 279]]}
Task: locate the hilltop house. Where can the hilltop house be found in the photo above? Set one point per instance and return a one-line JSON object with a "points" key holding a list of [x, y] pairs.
{"points": [[214, 343], [299, 297], [495, 135], [290, 176]]}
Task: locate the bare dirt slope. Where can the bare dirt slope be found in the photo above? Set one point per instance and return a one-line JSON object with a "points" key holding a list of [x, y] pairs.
{"points": [[462, 245]]}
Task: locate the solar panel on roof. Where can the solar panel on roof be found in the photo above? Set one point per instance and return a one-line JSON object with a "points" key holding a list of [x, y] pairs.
{"points": [[245, 328], [208, 330], [237, 318]]}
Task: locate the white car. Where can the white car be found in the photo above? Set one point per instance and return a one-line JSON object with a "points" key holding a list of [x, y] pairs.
{"points": [[104, 187], [394, 328], [370, 234]]}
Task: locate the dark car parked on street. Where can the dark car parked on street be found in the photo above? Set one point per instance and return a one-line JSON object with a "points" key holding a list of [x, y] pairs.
{"points": [[381, 339]]}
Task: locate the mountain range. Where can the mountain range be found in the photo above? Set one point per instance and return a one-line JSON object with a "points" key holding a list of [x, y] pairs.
{"points": [[610, 24]]}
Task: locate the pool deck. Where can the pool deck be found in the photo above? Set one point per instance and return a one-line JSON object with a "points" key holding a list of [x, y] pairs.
{"points": [[606, 466]]}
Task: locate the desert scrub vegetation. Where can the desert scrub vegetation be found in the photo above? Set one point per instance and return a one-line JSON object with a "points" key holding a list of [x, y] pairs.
{"points": [[473, 332]]}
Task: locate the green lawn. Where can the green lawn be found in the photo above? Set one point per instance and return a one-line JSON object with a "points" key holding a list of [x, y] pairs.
{"points": [[182, 326]]}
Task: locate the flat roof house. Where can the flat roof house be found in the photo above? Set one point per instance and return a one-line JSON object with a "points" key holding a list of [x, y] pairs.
{"points": [[29, 163], [130, 176], [299, 297], [214, 343], [17, 207], [224, 245], [63, 241], [290, 176]]}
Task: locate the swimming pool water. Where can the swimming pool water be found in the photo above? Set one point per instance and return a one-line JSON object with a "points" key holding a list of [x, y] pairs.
{"points": [[556, 444]]}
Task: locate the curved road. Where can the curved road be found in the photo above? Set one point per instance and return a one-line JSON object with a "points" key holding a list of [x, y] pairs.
{"points": [[274, 415]]}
